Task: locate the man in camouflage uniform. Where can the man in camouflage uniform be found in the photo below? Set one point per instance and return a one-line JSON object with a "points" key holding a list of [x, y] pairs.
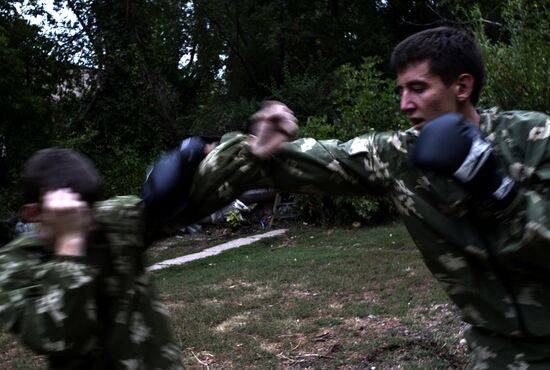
{"points": [[472, 189], [76, 288]]}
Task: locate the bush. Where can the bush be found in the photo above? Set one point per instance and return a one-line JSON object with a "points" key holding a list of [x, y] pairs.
{"points": [[219, 114], [366, 101], [518, 64], [305, 91], [363, 102]]}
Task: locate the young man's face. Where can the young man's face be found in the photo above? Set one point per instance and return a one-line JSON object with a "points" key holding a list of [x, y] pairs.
{"points": [[423, 95]]}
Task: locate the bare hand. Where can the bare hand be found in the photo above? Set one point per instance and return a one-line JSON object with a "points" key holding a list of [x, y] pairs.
{"points": [[272, 125], [66, 220]]}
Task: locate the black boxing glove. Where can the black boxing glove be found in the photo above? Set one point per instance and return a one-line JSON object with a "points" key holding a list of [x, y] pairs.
{"points": [[452, 146], [166, 188]]}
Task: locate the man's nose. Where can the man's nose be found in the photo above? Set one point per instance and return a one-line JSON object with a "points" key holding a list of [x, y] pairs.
{"points": [[405, 103]]}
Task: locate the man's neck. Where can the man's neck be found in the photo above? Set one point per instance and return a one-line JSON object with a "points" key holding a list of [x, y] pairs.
{"points": [[470, 113]]}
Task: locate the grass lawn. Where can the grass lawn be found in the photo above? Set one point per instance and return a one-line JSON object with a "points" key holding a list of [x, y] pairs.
{"points": [[315, 298]]}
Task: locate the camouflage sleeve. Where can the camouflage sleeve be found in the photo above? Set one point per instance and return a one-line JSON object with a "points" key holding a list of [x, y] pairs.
{"points": [[47, 304], [122, 219], [525, 147], [362, 165]]}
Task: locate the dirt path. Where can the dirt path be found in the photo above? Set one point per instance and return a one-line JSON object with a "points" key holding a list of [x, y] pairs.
{"points": [[214, 250]]}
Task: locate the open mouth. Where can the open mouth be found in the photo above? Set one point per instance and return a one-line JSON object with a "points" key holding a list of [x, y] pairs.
{"points": [[417, 122]]}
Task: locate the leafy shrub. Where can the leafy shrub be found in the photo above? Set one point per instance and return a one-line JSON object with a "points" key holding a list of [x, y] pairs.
{"points": [[219, 115], [305, 91], [363, 102], [518, 64], [366, 101], [234, 218]]}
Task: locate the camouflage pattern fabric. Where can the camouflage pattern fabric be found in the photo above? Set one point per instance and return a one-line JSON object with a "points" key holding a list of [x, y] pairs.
{"points": [[492, 351], [98, 311], [493, 263]]}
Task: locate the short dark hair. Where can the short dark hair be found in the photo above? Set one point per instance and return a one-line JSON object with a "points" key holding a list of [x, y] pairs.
{"points": [[449, 52], [56, 168]]}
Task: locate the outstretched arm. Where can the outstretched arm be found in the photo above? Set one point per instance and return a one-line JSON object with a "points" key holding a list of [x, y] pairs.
{"points": [[362, 165], [167, 186]]}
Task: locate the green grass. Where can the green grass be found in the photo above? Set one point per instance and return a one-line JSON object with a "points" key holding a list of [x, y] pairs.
{"points": [[314, 298], [14, 356]]}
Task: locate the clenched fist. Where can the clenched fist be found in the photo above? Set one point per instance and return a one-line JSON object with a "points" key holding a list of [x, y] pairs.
{"points": [[272, 125], [66, 221]]}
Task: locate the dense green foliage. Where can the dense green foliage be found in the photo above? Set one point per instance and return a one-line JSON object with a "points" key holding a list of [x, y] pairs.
{"points": [[518, 67], [363, 101], [124, 80], [29, 78]]}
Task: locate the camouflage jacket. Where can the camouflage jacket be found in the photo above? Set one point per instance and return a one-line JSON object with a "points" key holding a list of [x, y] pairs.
{"points": [[494, 264], [98, 311]]}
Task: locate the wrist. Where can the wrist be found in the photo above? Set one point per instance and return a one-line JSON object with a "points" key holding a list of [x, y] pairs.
{"points": [[480, 152], [71, 245], [505, 193], [506, 187]]}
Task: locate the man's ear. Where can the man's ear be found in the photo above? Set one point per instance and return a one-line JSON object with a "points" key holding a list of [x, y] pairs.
{"points": [[464, 86], [30, 212]]}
